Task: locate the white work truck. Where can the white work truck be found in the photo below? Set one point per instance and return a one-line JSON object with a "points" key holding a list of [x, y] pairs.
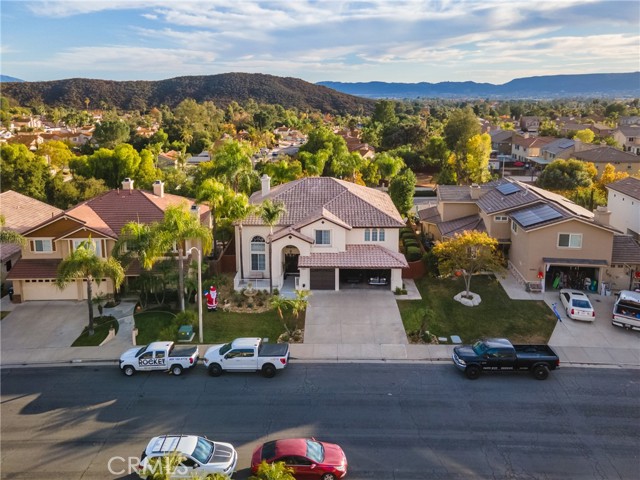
{"points": [[247, 355], [161, 356]]}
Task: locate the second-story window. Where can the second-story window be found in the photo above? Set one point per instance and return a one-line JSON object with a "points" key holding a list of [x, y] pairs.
{"points": [[570, 240], [501, 218], [374, 234], [42, 246], [95, 244], [323, 237]]}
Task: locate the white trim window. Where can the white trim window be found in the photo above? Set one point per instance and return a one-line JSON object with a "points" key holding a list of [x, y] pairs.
{"points": [[258, 256], [42, 245], [323, 237], [374, 234], [97, 245], [569, 240], [501, 218], [514, 226]]}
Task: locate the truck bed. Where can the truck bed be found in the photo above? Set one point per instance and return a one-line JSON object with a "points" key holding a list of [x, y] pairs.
{"points": [[183, 351], [534, 350], [273, 350]]}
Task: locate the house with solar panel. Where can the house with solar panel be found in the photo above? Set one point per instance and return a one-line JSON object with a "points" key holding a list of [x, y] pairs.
{"points": [[549, 241], [335, 235]]}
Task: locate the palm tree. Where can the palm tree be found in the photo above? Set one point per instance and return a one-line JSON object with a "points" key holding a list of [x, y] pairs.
{"points": [[178, 226], [214, 194], [10, 236], [270, 213], [83, 263]]}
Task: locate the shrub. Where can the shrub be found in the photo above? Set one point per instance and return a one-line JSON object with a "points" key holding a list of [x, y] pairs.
{"points": [[431, 262], [413, 254], [188, 317], [410, 242]]}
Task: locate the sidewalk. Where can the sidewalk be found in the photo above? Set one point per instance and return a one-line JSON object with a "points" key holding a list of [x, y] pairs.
{"points": [[577, 343]]}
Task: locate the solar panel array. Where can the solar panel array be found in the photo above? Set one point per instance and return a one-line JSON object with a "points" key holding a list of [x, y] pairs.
{"points": [[565, 143], [533, 216], [508, 188]]}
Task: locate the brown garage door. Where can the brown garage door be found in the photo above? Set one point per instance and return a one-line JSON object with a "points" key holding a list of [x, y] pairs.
{"points": [[323, 279]]}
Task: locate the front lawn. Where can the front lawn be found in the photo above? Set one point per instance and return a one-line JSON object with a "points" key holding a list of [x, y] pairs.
{"points": [[219, 326], [521, 321], [101, 327]]}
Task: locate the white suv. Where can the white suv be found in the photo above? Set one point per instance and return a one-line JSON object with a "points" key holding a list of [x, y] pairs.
{"points": [[577, 305], [200, 456]]}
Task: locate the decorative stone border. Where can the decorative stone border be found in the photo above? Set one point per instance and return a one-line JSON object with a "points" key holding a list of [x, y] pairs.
{"points": [[464, 299]]}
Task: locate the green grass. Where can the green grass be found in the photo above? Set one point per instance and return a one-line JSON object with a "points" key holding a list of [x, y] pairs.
{"points": [[4, 314], [218, 326], [101, 330], [521, 321]]}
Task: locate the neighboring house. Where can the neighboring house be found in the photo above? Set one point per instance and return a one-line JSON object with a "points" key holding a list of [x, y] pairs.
{"points": [[31, 141], [601, 156], [168, 159], [542, 235], [601, 130], [527, 149], [99, 219], [625, 121], [333, 232], [562, 148], [501, 141], [289, 134], [20, 213], [623, 200], [530, 124], [354, 144], [629, 138]]}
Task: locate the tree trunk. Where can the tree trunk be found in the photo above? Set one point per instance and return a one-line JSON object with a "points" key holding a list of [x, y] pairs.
{"points": [[181, 279], [239, 252], [467, 282], [270, 269], [90, 303]]}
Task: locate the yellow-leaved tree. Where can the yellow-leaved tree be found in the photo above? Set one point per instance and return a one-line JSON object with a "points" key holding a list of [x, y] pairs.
{"points": [[468, 253]]}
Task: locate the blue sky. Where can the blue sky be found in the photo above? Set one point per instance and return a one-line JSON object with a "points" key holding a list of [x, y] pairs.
{"points": [[350, 41]]}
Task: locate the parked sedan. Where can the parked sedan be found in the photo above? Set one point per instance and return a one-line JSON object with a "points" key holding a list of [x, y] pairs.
{"points": [[307, 457], [577, 305]]}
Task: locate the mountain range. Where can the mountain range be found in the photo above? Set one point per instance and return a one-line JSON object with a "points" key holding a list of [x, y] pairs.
{"points": [[612, 85]]}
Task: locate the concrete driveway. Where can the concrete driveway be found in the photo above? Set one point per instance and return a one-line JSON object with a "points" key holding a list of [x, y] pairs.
{"points": [[354, 317], [38, 325]]}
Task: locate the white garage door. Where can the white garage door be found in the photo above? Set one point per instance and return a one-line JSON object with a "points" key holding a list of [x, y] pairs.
{"points": [[47, 290]]}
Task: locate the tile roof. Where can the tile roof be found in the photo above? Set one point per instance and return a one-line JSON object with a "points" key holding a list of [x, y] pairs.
{"points": [[355, 256], [559, 145], [625, 250], [459, 225], [629, 186], [493, 201], [532, 142], [430, 215], [629, 130], [21, 213], [353, 204], [606, 155], [461, 193], [25, 269], [502, 136]]}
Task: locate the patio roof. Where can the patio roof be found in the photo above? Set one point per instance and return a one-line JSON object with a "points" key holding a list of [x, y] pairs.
{"points": [[356, 256]]}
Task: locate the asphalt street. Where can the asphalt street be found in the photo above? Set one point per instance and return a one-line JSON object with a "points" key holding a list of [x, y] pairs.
{"points": [[394, 421]]}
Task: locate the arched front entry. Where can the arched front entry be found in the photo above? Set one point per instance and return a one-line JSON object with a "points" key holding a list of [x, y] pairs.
{"points": [[290, 255]]}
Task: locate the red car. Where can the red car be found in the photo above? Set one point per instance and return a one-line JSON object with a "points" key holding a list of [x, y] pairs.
{"points": [[307, 457]]}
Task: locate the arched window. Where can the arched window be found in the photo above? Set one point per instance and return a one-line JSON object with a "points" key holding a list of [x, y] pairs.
{"points": [[258, 257]]}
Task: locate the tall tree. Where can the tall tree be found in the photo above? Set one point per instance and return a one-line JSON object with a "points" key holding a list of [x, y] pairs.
{"points": [[468, 253], [214, 194], [585, 136], [109, 134], [23, 172], [461, 126], [10, 236], [270, 213], [565, 175], [477, 165], [401, 190], [83, 263], [57, 152], [388, 166]]}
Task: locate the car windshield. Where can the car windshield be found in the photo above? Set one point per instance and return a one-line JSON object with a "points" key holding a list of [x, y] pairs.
{"points": [[203, 451], [315, 451], [141, 351], [479, 347], [581, 303], [225, 348]]}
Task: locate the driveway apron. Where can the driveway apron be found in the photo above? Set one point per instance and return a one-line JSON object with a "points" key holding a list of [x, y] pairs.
{"points": [[353, 317]]}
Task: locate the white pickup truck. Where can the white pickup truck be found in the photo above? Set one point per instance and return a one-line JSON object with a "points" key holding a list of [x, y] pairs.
{"points": [[247, 355], [161, 356]]}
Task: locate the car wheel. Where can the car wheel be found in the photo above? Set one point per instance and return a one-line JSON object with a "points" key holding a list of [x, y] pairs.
{"points": [[472, 372], [176, 370], [328, 476], [215, 370], [268, 370], [540, 372], [128, 370]]}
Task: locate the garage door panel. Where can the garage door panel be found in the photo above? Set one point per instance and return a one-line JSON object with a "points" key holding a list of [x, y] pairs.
{"points": [[48, 291], [323, 279]]}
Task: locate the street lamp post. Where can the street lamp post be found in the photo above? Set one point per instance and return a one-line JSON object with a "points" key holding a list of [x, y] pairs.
{"points": [[200, 332]]}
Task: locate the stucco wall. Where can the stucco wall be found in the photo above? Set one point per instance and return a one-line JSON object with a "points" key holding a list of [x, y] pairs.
{"points": [[451, 211], [625, 212]]}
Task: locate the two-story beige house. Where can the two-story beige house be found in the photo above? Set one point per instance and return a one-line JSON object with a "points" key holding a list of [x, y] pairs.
{"points": [[601, 156], [99, 220], [628, 137], [333, 234], [544, 236]]}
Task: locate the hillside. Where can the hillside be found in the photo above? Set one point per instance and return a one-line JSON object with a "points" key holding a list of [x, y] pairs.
{"points": [[597, 85], [220, 89], [7, 78]]}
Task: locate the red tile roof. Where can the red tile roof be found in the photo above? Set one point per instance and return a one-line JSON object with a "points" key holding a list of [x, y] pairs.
{"points": [[356, 256], [26, 269]]}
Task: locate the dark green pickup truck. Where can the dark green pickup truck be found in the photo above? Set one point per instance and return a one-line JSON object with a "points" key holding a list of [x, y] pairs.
{"points": [[499, 355]]}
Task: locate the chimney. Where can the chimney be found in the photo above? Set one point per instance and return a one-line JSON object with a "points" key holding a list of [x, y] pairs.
{"points": [[127, 184], [266, 185], [475, 191], [195, 210], [158, 188], [601, 215]]}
